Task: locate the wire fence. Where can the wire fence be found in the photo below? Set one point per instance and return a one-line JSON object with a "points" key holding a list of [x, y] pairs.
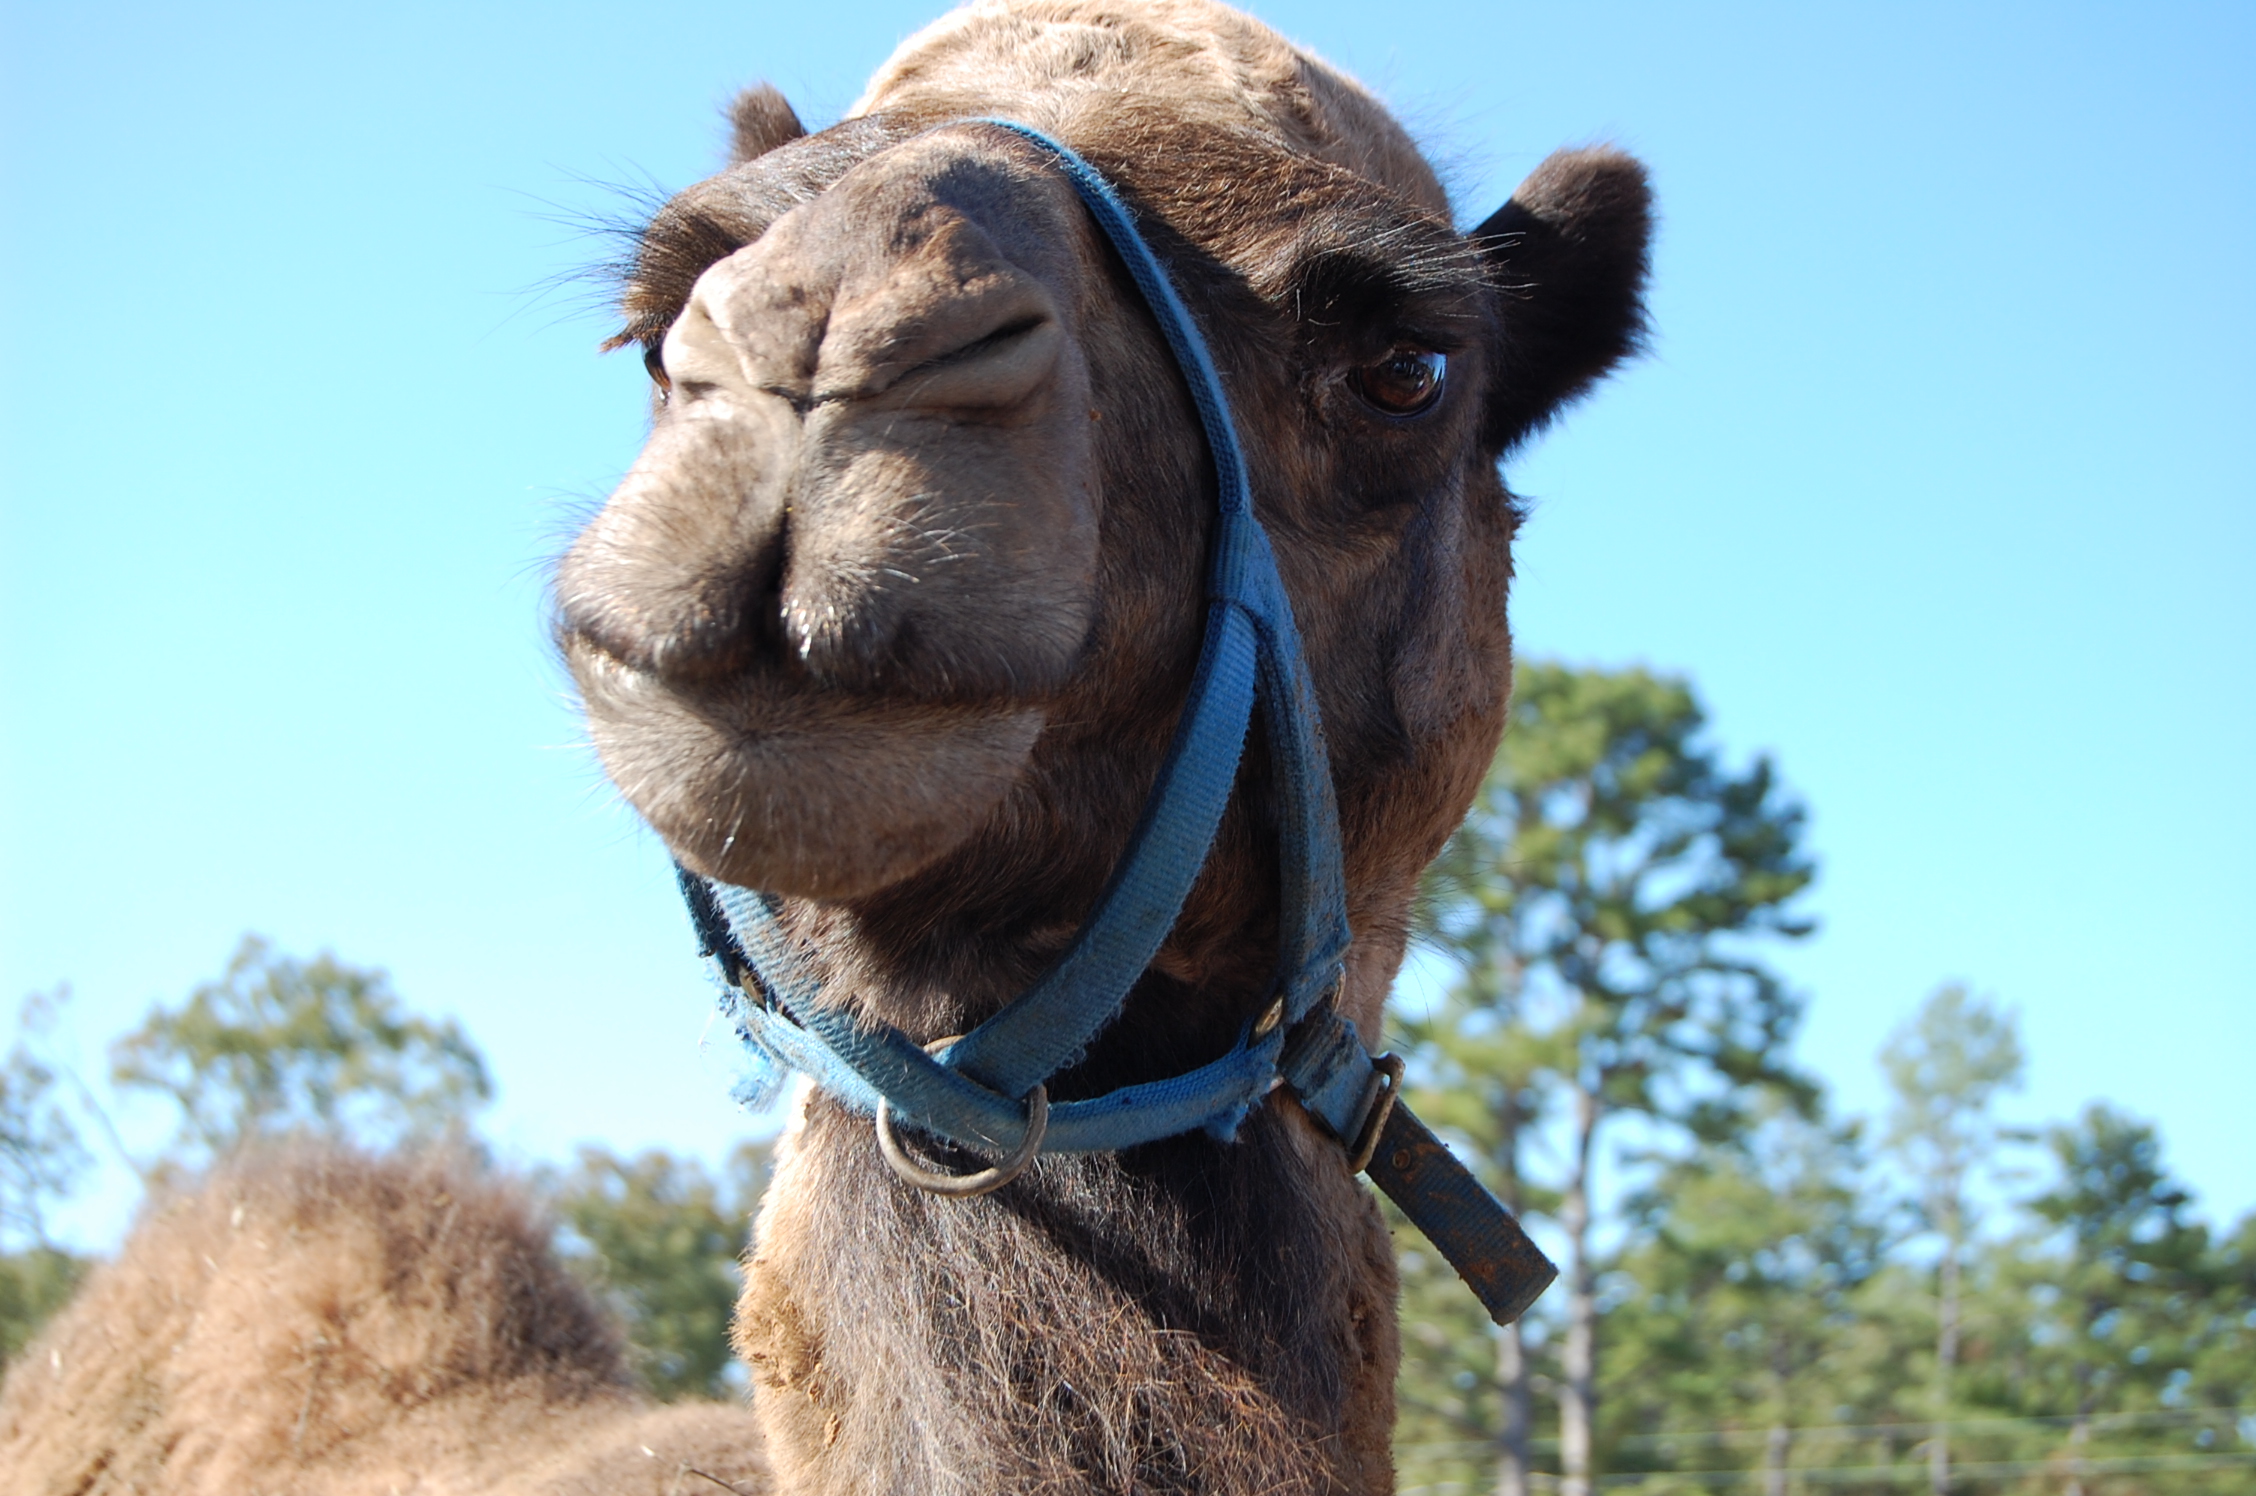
{"points": [[1462, 1467], [1908, 1473]]}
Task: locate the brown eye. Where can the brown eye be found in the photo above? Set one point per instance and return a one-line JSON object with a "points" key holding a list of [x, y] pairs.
{"points": [[653, 359], [1404, 383]]}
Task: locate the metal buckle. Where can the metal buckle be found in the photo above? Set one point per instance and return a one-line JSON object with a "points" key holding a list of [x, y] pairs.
{"points": [[1379, 1097], [979, 1181]]}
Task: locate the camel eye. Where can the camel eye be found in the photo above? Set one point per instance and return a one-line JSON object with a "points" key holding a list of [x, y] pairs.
{"points": [[653, 359], [1406, 382]]}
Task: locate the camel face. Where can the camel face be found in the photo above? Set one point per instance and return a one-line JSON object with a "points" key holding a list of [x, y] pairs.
{"points": [[909, 574], [825, 619]]}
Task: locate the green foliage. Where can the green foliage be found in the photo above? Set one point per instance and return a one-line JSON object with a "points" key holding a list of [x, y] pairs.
{"points": [[1946, 1068], [659, 1237], [1449, 1405], [1748, 1257], [41, 1162], [41, 1157], [1765, 1329], [34, 1283], [2222, 1368], [2119, 1307], [1610, 872], [2121, 1214], [1740, 1282], [1777, 1312], [280, 1046]]}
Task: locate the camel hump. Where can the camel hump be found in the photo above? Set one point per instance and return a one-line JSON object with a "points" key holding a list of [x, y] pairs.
{"points": [[1063, 65], [319, 1321]]}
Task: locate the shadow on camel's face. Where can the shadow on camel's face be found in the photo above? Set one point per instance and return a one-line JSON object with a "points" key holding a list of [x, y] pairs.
{"points": [[923, 485]]}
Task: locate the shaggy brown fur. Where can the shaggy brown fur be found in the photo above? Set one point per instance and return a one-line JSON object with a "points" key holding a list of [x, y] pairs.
{"points": [[322, 1324]]}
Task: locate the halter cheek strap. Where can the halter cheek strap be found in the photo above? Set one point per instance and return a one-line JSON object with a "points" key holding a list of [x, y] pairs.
{"points": [[978, 1090]]}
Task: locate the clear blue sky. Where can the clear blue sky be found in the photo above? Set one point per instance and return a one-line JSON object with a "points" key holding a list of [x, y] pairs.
{"points": [[1938, 483]]}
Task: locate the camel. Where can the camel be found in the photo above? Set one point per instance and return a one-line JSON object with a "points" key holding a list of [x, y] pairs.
{"points": [[315, 1322], [893, 620]]}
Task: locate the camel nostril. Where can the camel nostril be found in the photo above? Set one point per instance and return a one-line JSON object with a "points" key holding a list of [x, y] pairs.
{"points": [[979, 346], [996, 371], [951, 325]]}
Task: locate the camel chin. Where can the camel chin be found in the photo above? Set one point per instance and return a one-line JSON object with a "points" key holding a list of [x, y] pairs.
{"points": [[769, 785]]}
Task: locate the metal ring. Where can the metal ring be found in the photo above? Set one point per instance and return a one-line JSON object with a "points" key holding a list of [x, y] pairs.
{"points": [[981, 1181]]}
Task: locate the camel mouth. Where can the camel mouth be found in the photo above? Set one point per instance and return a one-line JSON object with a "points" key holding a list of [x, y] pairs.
{"points": [[763, 782]]}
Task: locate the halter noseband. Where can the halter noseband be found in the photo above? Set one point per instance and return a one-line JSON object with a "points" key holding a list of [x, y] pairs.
{"points": [[987, 1090]]}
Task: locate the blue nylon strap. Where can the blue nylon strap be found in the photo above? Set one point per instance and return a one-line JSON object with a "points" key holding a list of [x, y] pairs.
{"points": [[1049, 1027], [1175, 324], [1126, 1118], [858, 1065], [1046, 1029], [1312, 920], [973, 1093]]}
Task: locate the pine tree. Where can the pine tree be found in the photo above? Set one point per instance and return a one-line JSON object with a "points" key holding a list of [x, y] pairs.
{"points": [[1743, 1282], [1946, 1067], [2127, 1300], [1599, 903]]}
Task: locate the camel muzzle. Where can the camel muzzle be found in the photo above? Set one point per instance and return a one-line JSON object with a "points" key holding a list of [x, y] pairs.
{"points": [[819, 623]]}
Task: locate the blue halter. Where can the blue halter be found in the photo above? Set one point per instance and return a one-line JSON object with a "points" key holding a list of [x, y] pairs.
{"points": [[976, 1091]]}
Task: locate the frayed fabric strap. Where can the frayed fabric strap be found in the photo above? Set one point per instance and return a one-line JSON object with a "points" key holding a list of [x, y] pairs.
{"points": [[973, 1092]]}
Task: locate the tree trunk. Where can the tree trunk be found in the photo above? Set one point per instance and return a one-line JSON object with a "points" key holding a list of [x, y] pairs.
{"points": [[1946, 1359], [1781, 1438], [1774, 1460], [1512, 1428], [1515, 1425], [1578, 1382], [2079, 1434]]}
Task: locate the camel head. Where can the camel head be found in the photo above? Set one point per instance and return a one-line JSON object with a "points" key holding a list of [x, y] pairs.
{"points": [[898, 605]]}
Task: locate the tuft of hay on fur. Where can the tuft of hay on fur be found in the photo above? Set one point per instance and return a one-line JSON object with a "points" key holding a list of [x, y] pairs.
{"points": [[321, 1323]]}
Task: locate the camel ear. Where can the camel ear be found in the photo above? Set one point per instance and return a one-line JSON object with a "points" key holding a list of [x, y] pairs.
{"points": [[759, 121], [1569, 255]]}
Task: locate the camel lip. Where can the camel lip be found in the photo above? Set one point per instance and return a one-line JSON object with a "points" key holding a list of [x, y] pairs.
{"points": [[775, 676], [801, 792], [681, 672]]}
